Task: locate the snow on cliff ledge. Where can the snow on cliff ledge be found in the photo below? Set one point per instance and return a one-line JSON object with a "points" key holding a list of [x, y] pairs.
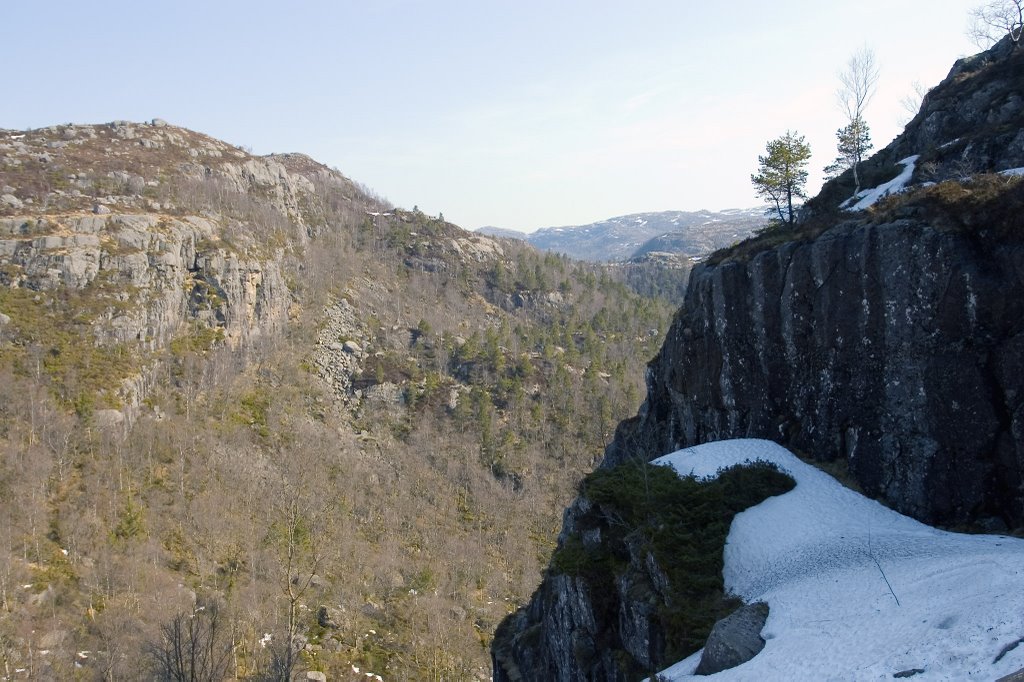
{"points": [[869, 197], [858, 591]]}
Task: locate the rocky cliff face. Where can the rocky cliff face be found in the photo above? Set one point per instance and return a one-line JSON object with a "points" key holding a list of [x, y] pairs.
{"points": [[893, 341], [896, 346], [167, 270], [168, 233], [578, 631]]}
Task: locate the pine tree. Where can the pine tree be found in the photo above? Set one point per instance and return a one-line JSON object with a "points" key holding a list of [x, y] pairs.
{"points": [[853, 141], [782, 174]]}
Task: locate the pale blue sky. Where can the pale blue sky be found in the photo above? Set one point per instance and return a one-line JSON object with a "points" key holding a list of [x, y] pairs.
{"points": [[517, 114]]}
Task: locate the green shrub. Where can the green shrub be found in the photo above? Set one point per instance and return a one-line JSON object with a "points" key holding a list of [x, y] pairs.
{"points": [[253, 409], [130, 522], [198, 339], [683, 522], [53, 331]]}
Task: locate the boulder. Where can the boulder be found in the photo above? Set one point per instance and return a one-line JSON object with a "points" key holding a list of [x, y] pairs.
{"points": [[734, 640], [386, 393], [109, 418], [324, 619]]}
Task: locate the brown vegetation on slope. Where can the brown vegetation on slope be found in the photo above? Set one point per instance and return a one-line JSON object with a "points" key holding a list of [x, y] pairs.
{"points": [[386, 519]]}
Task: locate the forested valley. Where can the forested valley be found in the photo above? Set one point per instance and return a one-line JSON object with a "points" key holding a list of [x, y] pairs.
{"points": [[369, 481]]}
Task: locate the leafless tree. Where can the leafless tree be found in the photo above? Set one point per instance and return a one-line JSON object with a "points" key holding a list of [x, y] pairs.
{"points": [[857, 83], [912, 103], [194, 647], [296, 537], [857, 86], [989, 22]]}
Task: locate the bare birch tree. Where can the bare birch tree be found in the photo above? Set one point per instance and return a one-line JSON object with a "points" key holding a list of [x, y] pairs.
{"points": [[911, 103], [989, 22], [857, 86]]}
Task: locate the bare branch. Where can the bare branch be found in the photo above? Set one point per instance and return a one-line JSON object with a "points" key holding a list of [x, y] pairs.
{"points": [[858, 82], [858, 79], [990, 22], [912, 103]]}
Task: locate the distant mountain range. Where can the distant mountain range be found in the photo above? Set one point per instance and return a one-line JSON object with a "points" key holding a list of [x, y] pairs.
{"points": [[694, 234]]}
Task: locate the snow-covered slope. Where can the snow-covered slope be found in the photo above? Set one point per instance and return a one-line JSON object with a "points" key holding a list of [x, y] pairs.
{"points": [[694, 234], [869, 197], [858, 591]]}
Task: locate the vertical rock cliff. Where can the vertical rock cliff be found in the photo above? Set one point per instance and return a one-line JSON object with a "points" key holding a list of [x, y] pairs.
{"points": [[892, 340], [896, 346], [160, 234]]}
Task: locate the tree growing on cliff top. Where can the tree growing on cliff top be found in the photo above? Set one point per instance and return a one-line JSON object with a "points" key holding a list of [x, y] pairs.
{"points": [[857, 86], [782, 174], [990, 21], [853, 141]]}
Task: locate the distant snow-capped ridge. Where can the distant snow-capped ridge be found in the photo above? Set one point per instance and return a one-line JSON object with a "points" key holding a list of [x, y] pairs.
{"points": [[694, 234], [491, 231]]}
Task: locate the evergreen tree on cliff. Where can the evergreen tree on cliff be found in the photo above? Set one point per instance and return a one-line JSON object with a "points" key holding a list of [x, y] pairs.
{"points": [[782, 174], [853, 141]]}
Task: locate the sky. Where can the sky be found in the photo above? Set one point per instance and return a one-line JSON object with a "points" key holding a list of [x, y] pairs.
{"points": [[517, 114]]}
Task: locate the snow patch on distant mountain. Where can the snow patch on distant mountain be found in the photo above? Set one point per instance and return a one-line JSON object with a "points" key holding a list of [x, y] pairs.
{"points": [[491, 231], [694, 234]]}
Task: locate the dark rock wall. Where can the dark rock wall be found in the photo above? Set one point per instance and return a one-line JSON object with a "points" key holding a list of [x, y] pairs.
{"points": [[578, 630], [896, 346], [971, 121]]}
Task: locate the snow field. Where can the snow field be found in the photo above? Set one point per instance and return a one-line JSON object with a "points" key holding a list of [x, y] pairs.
{"points": [[868, 197], [832, 564]]}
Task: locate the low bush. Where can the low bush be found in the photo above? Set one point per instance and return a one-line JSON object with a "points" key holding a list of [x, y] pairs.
{"points": [[683, 522]]}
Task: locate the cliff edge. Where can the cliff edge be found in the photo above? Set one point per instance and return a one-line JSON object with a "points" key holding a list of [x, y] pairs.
{"points": [[890, 339]]}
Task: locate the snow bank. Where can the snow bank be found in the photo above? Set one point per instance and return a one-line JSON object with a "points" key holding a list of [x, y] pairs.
{"points": [[868, 197], [858, 591]]}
